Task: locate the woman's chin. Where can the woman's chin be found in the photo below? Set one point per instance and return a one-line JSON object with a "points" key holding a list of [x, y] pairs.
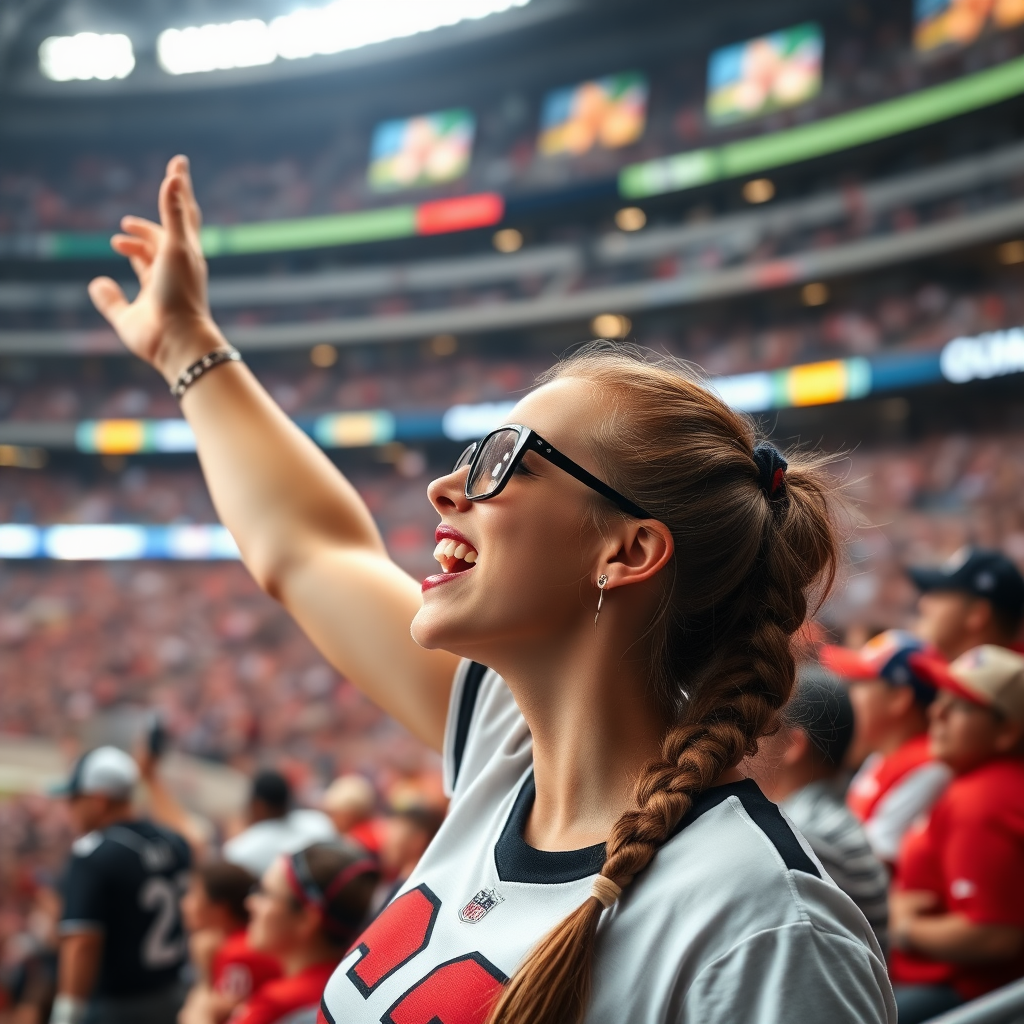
{"points": [[435, 628], [428, 628]]}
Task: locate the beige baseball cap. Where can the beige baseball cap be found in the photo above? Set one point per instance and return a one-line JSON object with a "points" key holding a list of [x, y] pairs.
{"points": [[988, 675]]}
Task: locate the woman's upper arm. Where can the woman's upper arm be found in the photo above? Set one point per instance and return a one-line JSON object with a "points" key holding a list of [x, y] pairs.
{"points": [[357, 606]]}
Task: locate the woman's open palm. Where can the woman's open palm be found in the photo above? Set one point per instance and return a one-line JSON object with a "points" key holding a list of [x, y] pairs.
{"points": [[168, 260]]}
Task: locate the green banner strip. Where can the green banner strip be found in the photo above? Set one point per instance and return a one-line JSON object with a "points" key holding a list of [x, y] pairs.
{"points": [[879, 121], [310, 232]]}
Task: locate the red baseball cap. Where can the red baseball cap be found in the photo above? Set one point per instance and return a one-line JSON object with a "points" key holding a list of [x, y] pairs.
{"points": [[886, 656]]}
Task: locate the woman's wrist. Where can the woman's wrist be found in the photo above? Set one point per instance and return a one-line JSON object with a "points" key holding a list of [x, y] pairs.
{"points": [[184, 345]]}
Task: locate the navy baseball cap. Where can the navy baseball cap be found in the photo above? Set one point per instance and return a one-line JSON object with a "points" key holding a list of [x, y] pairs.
{"points": [[979, 572]]}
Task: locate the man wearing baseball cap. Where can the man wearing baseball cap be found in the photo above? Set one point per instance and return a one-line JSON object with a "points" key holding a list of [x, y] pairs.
{"points": [[898, 779], [957, 906], [122, 946], [975, 598]]}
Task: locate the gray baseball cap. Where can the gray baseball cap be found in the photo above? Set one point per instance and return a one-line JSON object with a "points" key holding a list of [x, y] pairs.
{"points": [[104, 771]]}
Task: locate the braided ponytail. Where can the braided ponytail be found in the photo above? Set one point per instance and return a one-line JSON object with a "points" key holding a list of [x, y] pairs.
{"points": [[756, 545]]}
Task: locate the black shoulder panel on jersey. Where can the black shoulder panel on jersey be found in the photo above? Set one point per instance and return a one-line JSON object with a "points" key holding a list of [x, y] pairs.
{"points": [[763, 813], [517, 861], [470, 689]]}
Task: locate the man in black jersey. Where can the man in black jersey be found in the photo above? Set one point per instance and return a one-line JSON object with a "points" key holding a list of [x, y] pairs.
{"points": [[122, 946]]}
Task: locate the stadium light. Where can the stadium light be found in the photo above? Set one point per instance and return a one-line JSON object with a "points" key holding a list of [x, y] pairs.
{"points": [[235, 44], [86, 55], [312, 31]]}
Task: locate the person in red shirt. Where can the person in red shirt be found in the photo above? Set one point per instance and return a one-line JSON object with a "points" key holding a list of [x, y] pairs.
{"points": [[228, 969], [308, 909], [898, 779], [956, 912]]}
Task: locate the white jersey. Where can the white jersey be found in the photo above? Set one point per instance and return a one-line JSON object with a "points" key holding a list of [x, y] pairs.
{"points": [[734, 921], [261, 844]]}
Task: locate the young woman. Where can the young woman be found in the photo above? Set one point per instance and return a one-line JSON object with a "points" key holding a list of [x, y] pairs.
{"points": [[631, 568], [305, 912]]}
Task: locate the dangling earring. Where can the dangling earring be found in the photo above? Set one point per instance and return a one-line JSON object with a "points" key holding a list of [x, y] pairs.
{"points": [[602, 582]]}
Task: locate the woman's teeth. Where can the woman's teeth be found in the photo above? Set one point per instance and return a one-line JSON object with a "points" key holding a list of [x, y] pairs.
{"points": [[450, 552]]}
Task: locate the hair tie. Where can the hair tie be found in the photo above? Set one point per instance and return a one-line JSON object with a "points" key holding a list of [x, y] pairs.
{"points": [[771, 468], [605, 891]]}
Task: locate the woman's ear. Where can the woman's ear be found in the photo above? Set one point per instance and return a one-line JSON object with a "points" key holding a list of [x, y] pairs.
{"points": [[644, 549]]}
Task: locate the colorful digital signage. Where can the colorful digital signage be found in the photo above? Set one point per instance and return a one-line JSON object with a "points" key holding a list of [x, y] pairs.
{"points": [[943, 23], [607, 113], [772, 72], [419, 151]]}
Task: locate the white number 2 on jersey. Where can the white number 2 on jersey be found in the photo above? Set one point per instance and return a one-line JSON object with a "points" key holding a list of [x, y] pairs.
{"points": [[159, 949]]}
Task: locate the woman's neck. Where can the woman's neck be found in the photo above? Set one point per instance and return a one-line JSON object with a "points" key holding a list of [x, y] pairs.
{"points": [[595, 723]]}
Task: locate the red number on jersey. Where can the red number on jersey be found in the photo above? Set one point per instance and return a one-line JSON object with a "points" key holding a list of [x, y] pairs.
{"points": [[400, 932], [462, 991]]}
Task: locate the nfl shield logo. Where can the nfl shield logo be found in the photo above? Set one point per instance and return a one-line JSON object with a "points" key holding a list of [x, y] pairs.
{"points": [[480, 906]]}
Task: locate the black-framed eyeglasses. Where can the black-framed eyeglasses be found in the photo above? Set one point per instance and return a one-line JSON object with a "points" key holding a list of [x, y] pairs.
{"points": [[493, 459]]}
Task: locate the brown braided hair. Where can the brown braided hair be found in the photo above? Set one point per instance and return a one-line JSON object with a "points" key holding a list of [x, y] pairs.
{"points": [[722, 644]]}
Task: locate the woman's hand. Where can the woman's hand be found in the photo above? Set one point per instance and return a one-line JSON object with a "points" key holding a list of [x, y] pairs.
{"points": [[169, 324]]}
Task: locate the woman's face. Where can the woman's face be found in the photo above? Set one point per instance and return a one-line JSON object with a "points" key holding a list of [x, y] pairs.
{"points": [[536, 545], [275, 922]]}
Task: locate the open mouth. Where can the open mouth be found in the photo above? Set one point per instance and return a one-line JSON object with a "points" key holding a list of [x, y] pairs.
{"points": [[455, 555]]}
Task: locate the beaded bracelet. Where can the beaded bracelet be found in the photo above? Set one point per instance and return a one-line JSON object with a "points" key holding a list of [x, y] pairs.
{"points": [[192, 373]]}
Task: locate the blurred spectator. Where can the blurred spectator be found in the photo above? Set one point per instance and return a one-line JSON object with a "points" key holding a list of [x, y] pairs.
{"points": [[31, 979], [975, 598], [349, 801], [800, 767], [898, 779], [957, 906], [404, 837], [122, 946], [275, 826], [309, 908], [228, 969]]}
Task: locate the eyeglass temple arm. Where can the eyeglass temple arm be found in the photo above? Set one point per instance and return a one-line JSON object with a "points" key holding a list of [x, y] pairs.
{"points": [[554, 456]]}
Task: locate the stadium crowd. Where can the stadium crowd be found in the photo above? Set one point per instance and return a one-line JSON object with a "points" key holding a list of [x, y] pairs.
{"points": [[236, 681], [871, 59], [880, 315]]}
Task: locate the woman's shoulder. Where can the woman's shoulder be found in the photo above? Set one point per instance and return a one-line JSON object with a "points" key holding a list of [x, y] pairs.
{"points": [[739, 867], [734, 897]]}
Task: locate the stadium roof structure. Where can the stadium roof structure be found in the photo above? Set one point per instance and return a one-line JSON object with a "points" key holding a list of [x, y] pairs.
{"points": [[147, 46]]}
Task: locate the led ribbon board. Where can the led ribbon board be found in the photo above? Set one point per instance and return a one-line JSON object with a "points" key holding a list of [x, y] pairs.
{"points": [[116, 542], [995, 354], [437, 217], [830, 135]]}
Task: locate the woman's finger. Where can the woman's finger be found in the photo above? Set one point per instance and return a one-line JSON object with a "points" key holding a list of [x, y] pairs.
{"points": [[142, 227], [184, 170], [141, 267], [107, 297], [129, 245], [172, 215]]}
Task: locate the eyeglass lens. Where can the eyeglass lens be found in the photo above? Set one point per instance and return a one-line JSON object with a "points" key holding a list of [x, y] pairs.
{"points": [[491, 466]]}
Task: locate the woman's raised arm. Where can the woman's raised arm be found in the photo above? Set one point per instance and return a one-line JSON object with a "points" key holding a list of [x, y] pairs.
{"points": [[304, 532]]}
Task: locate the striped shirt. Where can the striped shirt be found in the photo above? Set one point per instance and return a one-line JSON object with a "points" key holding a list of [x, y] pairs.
{"points": [[819, 811]]}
